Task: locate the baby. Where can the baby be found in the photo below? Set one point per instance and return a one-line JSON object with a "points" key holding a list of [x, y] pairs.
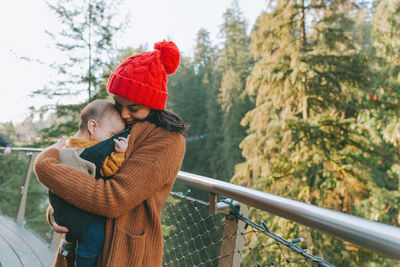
{"points": [[99, 126]]}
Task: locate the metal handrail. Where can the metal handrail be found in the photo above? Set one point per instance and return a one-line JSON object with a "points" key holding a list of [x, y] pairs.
{"points": [[24, 149], [375, 236]]}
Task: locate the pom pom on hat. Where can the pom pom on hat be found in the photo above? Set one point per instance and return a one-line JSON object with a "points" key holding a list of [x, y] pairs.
{"points": [[142, 78], [169, 55]]}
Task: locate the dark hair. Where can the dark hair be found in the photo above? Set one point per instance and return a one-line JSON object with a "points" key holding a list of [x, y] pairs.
{"points": [[168, 120]]}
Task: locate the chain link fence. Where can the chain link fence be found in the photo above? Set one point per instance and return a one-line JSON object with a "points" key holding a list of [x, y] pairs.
{"points": [[197, 234]]}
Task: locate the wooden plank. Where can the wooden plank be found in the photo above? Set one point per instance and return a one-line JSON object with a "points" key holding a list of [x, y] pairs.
{"points": [[39, 247], [27, 243], [8, 256], [21, 249], [227, 250], [232, 240]]}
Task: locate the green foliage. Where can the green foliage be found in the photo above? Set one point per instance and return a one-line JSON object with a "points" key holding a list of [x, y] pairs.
{"points": [[384, 97], [187, 99], [234, 64], [235, 53], [11, 181], [205, 65], [192, 95], [308, 138]]}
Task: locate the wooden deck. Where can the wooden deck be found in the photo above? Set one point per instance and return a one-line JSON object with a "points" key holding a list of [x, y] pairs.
{"points": [[20, 247]]}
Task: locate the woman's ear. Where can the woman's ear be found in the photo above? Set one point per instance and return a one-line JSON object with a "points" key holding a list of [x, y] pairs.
{"points": [[91, 125]]}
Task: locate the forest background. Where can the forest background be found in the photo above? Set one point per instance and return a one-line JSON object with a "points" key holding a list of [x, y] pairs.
{"points": [[305, 107]]}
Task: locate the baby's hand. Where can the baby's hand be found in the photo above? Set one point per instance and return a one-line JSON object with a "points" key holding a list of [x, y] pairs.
{"points": [[60, 143], [121, 144]]}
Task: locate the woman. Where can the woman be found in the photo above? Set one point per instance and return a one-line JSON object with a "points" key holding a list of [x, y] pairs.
{"points": [[132, 199]]}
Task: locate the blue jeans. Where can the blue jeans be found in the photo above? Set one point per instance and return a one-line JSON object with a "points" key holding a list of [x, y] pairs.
{"points": [[90, 244]]}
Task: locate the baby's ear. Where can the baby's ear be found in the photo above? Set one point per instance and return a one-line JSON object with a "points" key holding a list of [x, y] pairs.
{"points": [[91, 125]]}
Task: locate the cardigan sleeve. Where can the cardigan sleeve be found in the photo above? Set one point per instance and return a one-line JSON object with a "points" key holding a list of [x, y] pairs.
{"points": [[146, 171]]}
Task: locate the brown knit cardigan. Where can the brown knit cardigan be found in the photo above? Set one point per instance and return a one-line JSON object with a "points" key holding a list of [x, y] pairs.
{"points": [[131, 200]]}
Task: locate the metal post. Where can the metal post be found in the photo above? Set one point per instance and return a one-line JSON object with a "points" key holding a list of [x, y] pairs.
{"points": [[213, 203], [24, 189], [233, 240]]}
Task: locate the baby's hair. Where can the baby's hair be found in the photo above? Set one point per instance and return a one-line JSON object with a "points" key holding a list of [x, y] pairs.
{"points": [[96, 110]]}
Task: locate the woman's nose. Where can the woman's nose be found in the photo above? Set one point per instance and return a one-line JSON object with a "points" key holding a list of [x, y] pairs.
{"points": [[124, 114]]}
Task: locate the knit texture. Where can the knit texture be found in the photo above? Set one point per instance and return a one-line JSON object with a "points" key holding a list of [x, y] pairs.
{"points": [[142, 78], [132, 199]]}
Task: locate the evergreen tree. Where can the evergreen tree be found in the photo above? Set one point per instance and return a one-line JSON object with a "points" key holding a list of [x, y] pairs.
{"points": [[207, 76], [381, 114], [235, 52], [186, 98], [235, 65], [306, 140], [86, 46], [193, 95], [361, 32], [385, 94]]}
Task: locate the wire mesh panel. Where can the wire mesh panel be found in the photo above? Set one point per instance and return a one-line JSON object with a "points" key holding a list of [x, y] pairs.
{"points": [[191, 234], [195, 237]]}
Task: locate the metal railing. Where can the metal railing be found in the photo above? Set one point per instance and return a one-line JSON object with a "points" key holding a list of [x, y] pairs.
{"points": [[24, 149], [377, 237]]}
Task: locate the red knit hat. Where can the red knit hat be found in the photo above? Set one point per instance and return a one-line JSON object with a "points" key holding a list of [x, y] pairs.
{"points": [[142, 78]]}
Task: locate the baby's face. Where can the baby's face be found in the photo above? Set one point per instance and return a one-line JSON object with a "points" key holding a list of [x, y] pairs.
{"points": [[108, 126]]}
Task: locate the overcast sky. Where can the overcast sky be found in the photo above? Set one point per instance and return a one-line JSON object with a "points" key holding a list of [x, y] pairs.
{"points": [[22, 32]]}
